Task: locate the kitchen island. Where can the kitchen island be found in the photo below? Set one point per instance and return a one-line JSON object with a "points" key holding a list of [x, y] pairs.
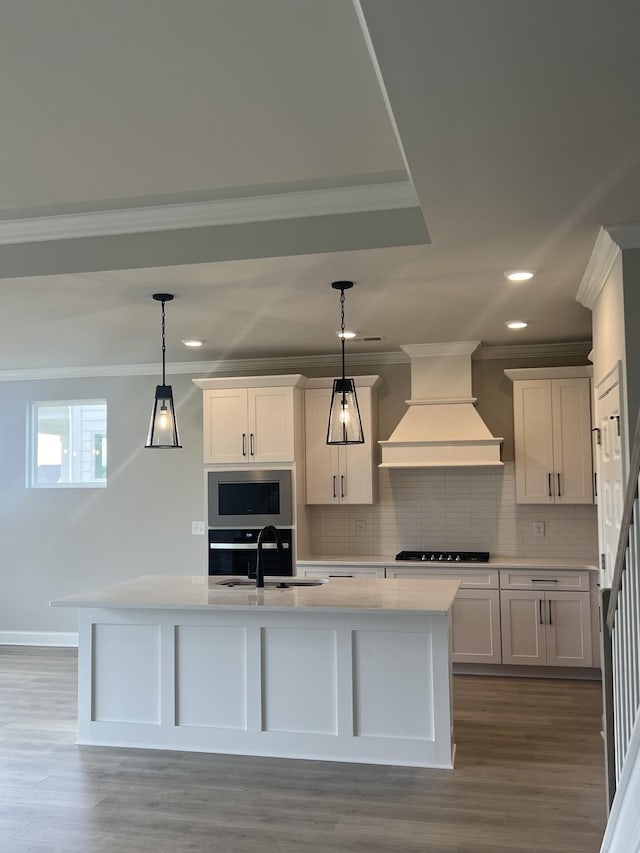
{"points": [[347, 670]]}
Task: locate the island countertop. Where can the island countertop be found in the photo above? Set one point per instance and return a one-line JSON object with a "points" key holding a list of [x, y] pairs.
{"points": [[195, 592]]}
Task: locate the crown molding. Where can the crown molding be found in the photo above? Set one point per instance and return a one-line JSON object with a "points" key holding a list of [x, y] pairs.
{"points": [[603, 256], [288, 364], [234, 211], [572, 349], [611, 240], [223, 367]]}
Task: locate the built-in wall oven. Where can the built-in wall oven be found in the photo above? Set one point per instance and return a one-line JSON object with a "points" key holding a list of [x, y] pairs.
{"points": [[234, 552], [239, 505]]}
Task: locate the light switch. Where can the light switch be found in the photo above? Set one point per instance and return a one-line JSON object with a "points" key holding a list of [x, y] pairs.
{"points": [[197, 528]]}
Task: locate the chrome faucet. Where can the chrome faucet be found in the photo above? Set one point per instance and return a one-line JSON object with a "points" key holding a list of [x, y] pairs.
{"points": [[259, 567]]}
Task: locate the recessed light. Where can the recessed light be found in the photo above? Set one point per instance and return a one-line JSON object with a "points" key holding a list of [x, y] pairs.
{"points": [[516, 324], [519, 275], [193, 342], [347, 334]]}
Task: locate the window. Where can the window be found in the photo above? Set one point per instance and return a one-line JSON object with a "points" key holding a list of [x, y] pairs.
{"points": [[68, 445]]}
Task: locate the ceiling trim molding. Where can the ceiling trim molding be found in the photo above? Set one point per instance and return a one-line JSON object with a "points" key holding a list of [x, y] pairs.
{"points": [[171, 217], [611, 240], [572, 349], [226, 367], [288, 364], [604, 254]]}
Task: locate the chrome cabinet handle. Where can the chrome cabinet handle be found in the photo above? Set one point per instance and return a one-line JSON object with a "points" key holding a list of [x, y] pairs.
{"points": [[244, 444], [549, 484], [559, 492]]}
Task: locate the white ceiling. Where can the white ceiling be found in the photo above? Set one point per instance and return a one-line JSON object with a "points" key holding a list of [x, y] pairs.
{"points": [[517, 122]]}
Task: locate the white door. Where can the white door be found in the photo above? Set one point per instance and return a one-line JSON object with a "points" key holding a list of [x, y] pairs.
{"points": [[609, 459], [321, 459], [475, 622], [226, 436], [270, 424], [573, 470], [523, 627], [568, 618], [533, 434]]}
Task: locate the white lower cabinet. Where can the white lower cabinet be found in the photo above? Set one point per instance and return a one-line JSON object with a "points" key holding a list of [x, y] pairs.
{"points": [[475, 617], [509, 616], [546, 628]]}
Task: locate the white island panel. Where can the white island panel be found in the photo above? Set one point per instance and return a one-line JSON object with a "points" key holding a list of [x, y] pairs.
{"points": [[300, 680], [211, 676], [402, 663], [126, 673]]}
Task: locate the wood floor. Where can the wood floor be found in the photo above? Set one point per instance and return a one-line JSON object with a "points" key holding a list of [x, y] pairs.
{"points": [[528, 777]]}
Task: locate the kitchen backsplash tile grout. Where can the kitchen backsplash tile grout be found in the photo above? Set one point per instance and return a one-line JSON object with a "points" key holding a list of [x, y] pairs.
{"points": [[465, 510]]}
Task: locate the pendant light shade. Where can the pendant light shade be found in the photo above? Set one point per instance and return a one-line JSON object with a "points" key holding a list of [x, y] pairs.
{"points": [[345, 424], [163, 429]]}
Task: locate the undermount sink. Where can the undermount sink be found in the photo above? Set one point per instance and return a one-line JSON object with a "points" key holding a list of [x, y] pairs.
{"points": [[271, 583]]}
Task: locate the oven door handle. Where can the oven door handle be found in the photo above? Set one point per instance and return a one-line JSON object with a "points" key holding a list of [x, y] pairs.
{"points": [[245, 546]]}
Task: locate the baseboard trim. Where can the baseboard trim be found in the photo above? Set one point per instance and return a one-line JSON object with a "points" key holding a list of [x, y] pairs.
{"points": [[581, 673], [39, 638]]}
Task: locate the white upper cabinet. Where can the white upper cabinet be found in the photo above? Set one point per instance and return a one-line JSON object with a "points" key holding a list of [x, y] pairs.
{"points": [[339, 473], [552, 432], [245, 425]]}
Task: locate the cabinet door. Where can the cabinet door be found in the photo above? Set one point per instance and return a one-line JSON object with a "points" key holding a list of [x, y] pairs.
{"points": [[270, 421], [226, 434], [523, 628], [355, 461], [568, 629], [572, 445], [533, 436], [476, 626], [321, 460]]}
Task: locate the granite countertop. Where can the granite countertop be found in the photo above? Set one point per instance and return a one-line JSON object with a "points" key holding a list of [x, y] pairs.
{"points": [[201, 593], [497, 562]]}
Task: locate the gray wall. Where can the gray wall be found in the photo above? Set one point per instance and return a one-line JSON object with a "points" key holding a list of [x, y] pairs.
{"points": [[60, 541]]}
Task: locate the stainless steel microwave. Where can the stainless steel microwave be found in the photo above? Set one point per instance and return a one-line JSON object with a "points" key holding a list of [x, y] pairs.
{"points": [[249, 498]]}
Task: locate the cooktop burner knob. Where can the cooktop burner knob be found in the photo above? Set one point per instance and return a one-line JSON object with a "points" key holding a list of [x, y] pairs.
{"points": [[423, 557], [450, 557], [458, 558], [433, 557], [441, 556]]}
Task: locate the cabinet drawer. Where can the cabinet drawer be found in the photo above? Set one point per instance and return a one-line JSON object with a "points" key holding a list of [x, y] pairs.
{"points": [[535, 579], [469, 578], [342, 572]]}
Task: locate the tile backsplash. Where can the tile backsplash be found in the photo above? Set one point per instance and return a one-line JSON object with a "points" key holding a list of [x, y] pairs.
{"points": [[449, 509]]}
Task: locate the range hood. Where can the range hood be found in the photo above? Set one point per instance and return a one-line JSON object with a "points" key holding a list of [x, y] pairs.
{"points": [[441, 428]]}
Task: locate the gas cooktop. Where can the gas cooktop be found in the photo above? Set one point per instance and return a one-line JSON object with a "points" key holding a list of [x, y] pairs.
{"points": [[430, 556]]}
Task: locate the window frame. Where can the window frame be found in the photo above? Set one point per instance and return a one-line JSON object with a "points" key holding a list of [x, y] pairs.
{"points": [[32, 443]]}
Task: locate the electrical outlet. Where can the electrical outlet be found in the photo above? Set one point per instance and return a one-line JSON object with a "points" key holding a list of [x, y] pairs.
{"points": [[538, 528], [197, 528], [361, 528]]}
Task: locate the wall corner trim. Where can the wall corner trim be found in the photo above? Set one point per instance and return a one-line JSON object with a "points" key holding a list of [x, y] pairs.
{"points": [[611, 240]]}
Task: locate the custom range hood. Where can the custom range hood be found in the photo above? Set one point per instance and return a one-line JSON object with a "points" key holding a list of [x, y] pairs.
{"points": [[441, 428]]}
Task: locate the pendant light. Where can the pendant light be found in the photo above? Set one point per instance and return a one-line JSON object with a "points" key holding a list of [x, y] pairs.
{"points": [[345, 425], [163, 429]]}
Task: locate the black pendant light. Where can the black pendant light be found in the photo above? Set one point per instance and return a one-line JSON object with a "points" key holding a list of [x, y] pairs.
{"points": [[345, 424], [163, 429]]}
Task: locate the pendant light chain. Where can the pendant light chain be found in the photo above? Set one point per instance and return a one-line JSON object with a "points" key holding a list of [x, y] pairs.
{"points": [[164, 348], [342, 328]]}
